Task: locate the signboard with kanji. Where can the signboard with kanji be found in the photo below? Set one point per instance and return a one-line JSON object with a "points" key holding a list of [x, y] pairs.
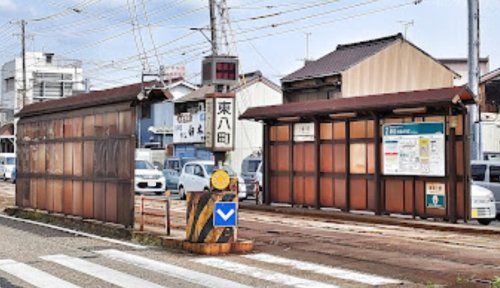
{"points": [[220, 120]]}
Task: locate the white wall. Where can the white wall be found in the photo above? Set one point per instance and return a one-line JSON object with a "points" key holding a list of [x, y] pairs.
{"points": [[249, 134], [462, 69]]}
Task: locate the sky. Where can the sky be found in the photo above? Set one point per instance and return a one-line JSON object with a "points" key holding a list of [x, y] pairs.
{"points": [[117, 39]]}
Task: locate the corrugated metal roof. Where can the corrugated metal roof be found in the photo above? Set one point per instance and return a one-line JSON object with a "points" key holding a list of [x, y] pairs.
{"points": [[341, 59], [380, 102], [126, 93]]}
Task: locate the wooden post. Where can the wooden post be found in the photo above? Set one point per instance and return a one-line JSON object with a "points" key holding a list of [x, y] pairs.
{"points": [[317, 169], [347, 166], [266, 176], [142, 214], [290, 162], [167, 216], [378, 191], [452, 170]]}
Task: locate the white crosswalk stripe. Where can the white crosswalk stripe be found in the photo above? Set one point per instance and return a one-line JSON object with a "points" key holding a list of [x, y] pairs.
{"points": [[33, 276], [192, 276], [263, 274], [101, 272], [339, 273]]}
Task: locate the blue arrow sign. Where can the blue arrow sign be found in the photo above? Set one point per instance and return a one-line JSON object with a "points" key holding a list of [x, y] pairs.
{"points": [[225, 214]]}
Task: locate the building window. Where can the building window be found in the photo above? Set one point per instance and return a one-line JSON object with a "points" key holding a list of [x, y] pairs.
{"points": [[495, 174], [145, 111], [9, 84]]}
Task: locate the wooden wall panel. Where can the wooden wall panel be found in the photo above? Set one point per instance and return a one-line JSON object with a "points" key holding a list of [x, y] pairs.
{"points": [[326, 158], [68, 197], [100, 201], [372, 204], [420, 197], [309, 156], [282, 157], [298, 190], [326, 192], [339, 192], [58, 195], [78, 198], [326, 131], [358, 194], [358, 163], [88, 199], [309, 191], [408, 196], [339, 130], [394, 196], [339, 158], [111, 202], [283, 189], [41, 194]]}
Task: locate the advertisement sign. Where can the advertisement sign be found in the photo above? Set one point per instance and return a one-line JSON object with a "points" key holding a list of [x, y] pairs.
{"points": [[220, 123], [303, 132], [189, 127], [414, 149], [435, 195]]}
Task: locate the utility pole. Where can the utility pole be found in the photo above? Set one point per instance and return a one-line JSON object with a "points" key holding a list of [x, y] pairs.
{"points": [[213, 27], [23, 45], [473, 63]]}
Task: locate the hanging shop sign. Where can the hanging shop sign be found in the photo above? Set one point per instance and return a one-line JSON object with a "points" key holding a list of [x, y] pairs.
{"points": [[435, 195], [189, 127], [220, 123], [414, 149], [303, 132]]}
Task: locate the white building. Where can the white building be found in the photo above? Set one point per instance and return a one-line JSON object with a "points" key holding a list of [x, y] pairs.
{"points": [[460, 66], [47, 77]]}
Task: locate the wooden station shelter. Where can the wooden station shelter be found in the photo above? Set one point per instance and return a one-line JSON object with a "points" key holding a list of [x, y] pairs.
{"points": [[334, 153], [76, 155]]}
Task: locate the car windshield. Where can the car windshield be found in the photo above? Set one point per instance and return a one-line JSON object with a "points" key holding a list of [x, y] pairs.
{"points": [[11, 161], [210, 169], [253, 165], [141, 164]]}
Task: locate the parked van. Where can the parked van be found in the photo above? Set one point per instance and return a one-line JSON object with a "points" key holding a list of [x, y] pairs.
{"points": [[7, 165], [487, 175], [482, 205], [249, 169]]}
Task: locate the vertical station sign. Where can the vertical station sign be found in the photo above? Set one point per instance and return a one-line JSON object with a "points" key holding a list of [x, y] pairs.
{"points": [[220, 122]]}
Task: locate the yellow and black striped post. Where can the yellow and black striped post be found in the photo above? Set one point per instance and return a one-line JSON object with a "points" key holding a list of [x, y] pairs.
{"points": [[200, 223]]}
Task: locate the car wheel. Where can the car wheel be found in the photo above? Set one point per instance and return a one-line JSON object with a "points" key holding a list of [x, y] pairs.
{"points": [[158, 193], [484, 221], [182, 193], [206, 190]]}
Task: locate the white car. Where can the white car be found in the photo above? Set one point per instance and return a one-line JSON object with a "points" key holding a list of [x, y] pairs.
{"points": [[7, 165], [195, 177], [482, 205], [148, 179]]}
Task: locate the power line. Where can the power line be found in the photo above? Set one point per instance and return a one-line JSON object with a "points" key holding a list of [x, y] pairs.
{"points": [[137, 39], [151, 33]]}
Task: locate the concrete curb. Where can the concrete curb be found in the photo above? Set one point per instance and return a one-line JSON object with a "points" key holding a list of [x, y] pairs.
{"points": [[71, 222], [372, 219]]}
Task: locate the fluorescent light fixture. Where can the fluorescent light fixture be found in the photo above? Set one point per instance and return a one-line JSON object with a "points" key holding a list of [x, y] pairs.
{"points": [[343, 115], [416, 110], [289, 119]]}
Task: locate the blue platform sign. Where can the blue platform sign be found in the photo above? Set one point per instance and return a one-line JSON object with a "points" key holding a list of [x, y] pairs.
{"points": [[225, 214]]}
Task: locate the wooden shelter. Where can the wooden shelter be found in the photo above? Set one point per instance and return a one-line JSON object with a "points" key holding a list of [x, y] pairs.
{"points": [[76, 155], [340, 163]]}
